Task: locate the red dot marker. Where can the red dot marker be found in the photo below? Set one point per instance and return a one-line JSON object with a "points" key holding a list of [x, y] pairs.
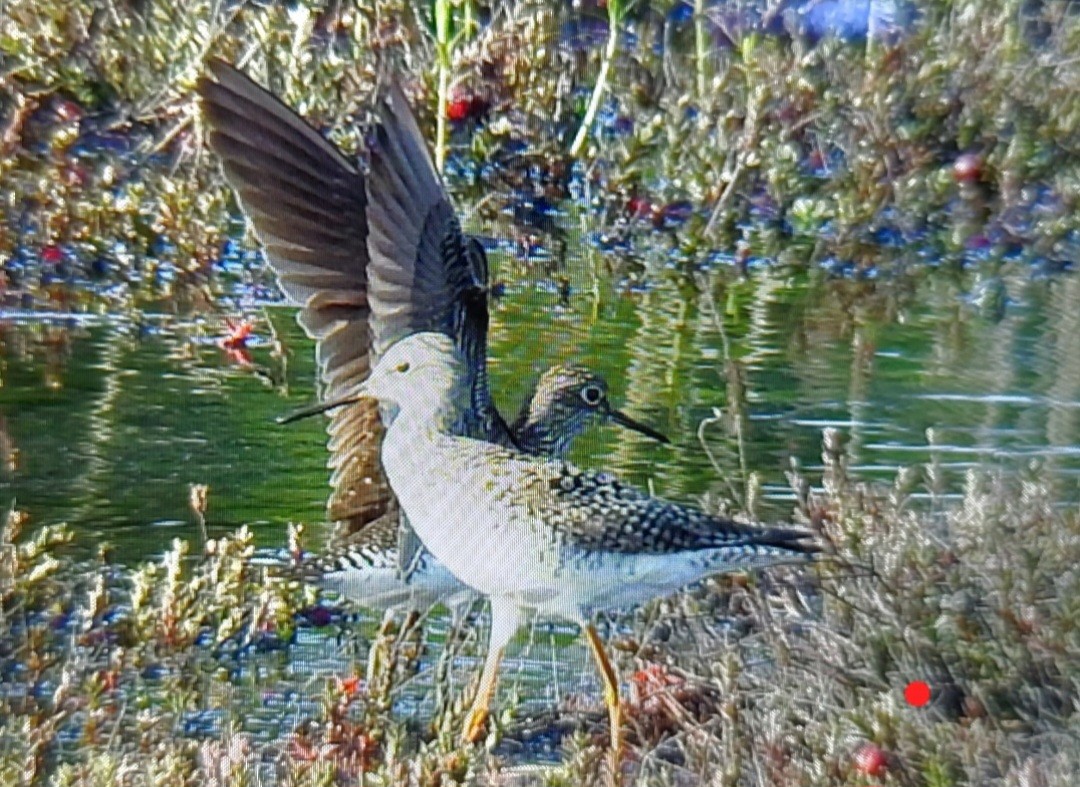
{"points": [[917, 693]]}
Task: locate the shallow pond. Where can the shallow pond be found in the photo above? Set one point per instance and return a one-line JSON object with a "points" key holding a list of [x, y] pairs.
{"points": [[107, 420]]}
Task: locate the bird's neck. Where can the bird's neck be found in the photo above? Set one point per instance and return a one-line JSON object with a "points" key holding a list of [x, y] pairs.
{"points": [[530, 428], [534, 437], [425, 416], [414, 447]]}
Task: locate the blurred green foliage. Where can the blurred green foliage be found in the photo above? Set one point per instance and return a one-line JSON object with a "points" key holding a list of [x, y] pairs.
{"points": [[962, 127]]}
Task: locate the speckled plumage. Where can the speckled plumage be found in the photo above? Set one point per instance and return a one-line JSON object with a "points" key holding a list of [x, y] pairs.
{"points": [[372, 256], [367, 568], [558, 409], [539, 534], [384, 276], [481, 507]]}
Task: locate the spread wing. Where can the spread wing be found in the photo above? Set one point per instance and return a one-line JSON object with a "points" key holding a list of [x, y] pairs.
{"points": [[425, 274], [368, 259], [307, 204]]}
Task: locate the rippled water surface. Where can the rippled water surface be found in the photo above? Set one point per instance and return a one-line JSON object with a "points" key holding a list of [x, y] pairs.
{"points": [[106, 421]]}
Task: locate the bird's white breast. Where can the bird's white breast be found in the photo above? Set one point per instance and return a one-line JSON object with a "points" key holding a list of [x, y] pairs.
{"points": [[474, 516]]}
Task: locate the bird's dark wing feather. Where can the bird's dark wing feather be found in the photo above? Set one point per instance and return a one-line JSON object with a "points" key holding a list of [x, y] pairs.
{"points": [[307, 204], [370, 260], [425, 274]]}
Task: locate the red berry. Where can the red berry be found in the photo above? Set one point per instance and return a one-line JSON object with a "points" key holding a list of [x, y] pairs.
{"points": [[350, 685], [917, 693], [458, 109], [67, 111], [871, 760], [967, 168], [75, 175], [52, 254], [638, 206]]}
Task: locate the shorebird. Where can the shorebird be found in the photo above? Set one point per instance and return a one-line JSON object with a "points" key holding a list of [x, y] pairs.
{"points": [[538, 534], [372, 257], [367, 569]]}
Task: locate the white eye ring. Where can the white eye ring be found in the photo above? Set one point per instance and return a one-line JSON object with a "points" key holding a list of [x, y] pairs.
{"points": [[592, 395]]}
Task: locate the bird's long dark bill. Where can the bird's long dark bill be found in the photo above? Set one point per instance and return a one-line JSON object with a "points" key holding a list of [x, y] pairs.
{"points": [[321, 407], [622, 419]]}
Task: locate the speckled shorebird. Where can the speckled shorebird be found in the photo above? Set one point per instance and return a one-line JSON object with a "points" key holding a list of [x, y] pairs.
{"points": [[367, 569], [538, 534], [373, 257]]}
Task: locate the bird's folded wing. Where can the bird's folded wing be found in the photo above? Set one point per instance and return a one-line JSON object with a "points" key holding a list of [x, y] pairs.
{"points": [[372, 547], [593, 510]]}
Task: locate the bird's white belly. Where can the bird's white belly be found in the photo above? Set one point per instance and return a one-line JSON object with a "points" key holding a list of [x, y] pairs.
{"points": [[612, 581], [384, 588], [501, 550], [486, 530]]}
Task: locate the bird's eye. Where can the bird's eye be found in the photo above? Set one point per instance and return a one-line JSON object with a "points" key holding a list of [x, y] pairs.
{"points": [[592, 394], [402, 367]]}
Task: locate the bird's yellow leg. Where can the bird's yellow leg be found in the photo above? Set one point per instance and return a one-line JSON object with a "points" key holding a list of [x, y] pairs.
{"points": [[505, 619], [611, 699], [476, 720]]}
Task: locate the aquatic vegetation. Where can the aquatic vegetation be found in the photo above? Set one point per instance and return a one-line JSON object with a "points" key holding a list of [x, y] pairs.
{"points": [[151, 675], [953, 134], [606, 151]]}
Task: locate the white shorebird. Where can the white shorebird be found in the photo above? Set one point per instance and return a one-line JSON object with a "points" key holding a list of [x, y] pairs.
{"points": [[538, 534], [372, 257]]}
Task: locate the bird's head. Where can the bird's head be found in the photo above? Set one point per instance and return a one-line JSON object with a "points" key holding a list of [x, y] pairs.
{"points": [[568, 398], [421, 375]]}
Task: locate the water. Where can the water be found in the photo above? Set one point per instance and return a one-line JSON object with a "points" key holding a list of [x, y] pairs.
{"points": [[108, 420]]}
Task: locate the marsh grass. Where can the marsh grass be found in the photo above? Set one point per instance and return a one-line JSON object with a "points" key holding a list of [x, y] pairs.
{"points": [[778, 678]]}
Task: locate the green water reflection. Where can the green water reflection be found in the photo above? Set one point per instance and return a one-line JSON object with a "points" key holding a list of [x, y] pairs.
{"points": [[112, 419]]}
